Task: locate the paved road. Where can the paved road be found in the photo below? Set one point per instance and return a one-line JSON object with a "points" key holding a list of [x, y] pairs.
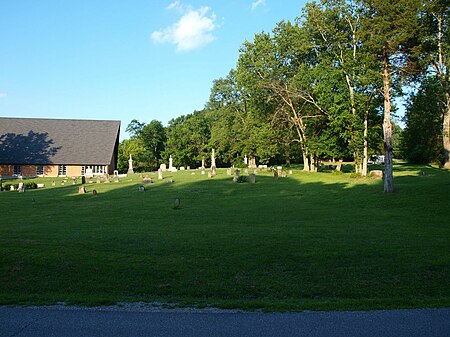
{"points": [[73, 321]]}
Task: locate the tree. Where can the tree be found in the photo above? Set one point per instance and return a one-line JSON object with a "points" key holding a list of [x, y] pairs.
{"points": [[436, 49], [134, 128], [422, 137], [283, 67], [135, 147], [187, 139], [391, 29], [335, 30], [153, 137]]}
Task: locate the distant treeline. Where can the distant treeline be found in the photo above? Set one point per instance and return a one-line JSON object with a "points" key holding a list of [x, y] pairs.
{"points": [[321, 88]]}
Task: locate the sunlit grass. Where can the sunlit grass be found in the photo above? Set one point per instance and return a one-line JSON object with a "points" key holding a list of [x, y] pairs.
{"points": [[316, 241]]}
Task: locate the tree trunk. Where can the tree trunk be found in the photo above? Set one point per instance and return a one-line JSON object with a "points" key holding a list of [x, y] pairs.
{"points": [[305, 162], [387, 129], [366, 146], [446, 133]]}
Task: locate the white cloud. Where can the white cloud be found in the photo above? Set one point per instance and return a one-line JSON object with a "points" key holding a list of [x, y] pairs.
{"points": [[193, 30], [175, 5], [3, 94], [257, 3]]}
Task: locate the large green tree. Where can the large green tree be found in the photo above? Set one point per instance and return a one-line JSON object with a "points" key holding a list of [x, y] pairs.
{"points": [[436, 51], [422, 137], [391, 30], [153, 137], [335, 29]]}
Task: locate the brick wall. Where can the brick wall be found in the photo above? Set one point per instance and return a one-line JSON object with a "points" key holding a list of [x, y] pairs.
{"points": [[6, 170]]}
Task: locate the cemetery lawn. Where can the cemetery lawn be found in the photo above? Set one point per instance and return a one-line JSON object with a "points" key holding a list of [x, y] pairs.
{"points": [[321, 241]]}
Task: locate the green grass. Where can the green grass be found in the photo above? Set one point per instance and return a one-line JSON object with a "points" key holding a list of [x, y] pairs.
{"points": [[308, 241]]}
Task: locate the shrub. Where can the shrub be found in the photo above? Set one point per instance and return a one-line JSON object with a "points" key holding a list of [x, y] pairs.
{"points": [[242, 179], [30, 185]]}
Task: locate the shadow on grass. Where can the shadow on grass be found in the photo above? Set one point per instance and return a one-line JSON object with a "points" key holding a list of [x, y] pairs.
{"points": [[316, 241]]}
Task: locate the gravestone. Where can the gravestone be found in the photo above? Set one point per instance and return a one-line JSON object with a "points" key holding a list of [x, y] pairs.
{"points": [[116, 179], [182, 168], [40, 185], [290, 171], [91, 180], [252, 178], [246, 171], [188, 168], [81, 190], [376, 173], [11, 188], [170, 163], [160, 174], [21, 189], [213, 170], [210, 175], [203, 164], [283, 174], [147, 180], [163, 167], [94, 193], [130, 165], [213, 159], [141, 188], [252, 162], [275, 175], [170, 181], [107, 178], [203, 170], [116, 173], [53, 183], [63, 183], [237, 173], [74, 181], [98, 180], [176, 203], [245, 160], [255, 171], [83, 180]]}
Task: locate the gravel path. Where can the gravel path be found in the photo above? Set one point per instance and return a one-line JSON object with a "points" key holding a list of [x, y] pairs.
{"points": [[141, 320]]}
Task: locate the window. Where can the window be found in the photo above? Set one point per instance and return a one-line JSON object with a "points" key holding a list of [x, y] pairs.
{"points": [[62, 170], [17, 170], [96, 169], [39, 170]]}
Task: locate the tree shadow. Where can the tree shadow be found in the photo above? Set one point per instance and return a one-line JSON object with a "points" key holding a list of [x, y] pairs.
{"points": [[33, 148]]}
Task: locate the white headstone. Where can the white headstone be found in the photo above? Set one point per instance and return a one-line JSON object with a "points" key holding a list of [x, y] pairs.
{"points": [[170, 163], [213, 159], [130, 165], [163, 167]]}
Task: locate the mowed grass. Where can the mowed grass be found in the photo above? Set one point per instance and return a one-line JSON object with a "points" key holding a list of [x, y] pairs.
{"points": [[308, 241]]}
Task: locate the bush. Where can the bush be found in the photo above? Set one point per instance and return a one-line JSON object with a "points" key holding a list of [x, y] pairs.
{"points": [[30, 185], [242, 179]]}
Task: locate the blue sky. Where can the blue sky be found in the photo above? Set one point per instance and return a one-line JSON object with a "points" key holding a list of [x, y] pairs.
{"points": [[113, 59]]}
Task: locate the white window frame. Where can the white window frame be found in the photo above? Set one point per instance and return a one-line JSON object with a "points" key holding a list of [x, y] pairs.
{"points": [[62, 170], [17, 170], [39, 170]]}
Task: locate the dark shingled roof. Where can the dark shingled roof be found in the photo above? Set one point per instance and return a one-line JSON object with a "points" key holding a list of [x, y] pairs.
{"points": [[57, 141]]}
